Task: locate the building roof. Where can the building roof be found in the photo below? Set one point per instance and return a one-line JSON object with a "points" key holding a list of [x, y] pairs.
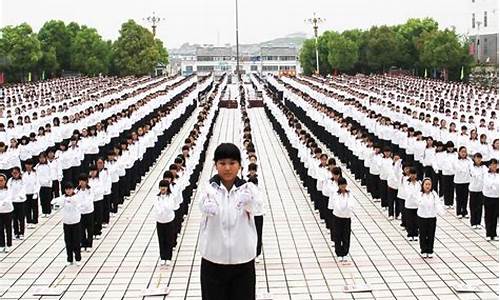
{"points": [[279, 51], [213, 51]]}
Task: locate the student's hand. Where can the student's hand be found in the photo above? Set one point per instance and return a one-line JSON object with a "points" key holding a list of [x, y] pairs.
{"points": [[35, 196], [210, 208], [245, 198]]}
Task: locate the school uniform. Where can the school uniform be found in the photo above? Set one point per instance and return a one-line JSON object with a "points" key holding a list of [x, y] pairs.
{"points": [[6, 209], [490, 200], [56, 175], [427, 161], [86, 198], [106, 179], [412, 189], [259, 216], [31, 188], [228, 241], [43, 174], [448, 172], [395, 174], [461, 180], [71, 223], [343, 205], [476, 198], [385, 171], [164, 207], [429, 206], [16, 188], [97, 186]]}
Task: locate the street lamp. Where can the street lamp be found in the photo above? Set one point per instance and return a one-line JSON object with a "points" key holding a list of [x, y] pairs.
{"points": [[237, 44], [478, 42], [315, 20], [154, 20]]}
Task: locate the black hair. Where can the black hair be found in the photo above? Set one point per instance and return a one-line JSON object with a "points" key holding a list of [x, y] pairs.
{"points": [[227, 151], [253, 179], [252, 167]]}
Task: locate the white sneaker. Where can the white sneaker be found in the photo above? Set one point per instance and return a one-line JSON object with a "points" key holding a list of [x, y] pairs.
{"points": [[391, 218], [5, 249], [69, 263], [169, 262], [257, 260], [77, 263], [21, 237], [88, 249], [429, 255], [322, 221], [104, 225], [97, 237], [423, 255], [460, 217], [163, 262]]}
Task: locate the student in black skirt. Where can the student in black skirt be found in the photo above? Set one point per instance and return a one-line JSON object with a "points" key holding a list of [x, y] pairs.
{"points": [[477, 172]]}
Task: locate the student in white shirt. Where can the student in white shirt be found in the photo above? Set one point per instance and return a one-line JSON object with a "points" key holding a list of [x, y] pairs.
{"points": [[228, 236], [164, 207], [86, 197], [16, 187], [71, 222], [43, 174], [490, 199], [6, 209], [448, 174], [31, 188], [461, 179], [429, 206], [97, 186], [412, 188], [477, 172], [343, 207], [394, 174], [258, 214], [56, 172]]}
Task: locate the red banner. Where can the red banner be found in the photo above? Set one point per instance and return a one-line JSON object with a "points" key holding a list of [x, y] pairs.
{"points": [[2, 78], [472, 49]]}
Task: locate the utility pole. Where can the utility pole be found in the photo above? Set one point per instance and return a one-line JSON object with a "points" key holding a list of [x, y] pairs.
{"points": [[478, 41], [154, 21], [237, 45], [315, 20]]}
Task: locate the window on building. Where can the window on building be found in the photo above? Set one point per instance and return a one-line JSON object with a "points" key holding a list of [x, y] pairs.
{"points": [[473, 20], [253, 68], [485, 19], [205, 68]]}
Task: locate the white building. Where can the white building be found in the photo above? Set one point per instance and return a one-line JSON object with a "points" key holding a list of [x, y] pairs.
{"points": [[483, 30], [218, 60]]}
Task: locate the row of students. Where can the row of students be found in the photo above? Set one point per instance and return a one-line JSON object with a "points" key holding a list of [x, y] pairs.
{"points": [[447, 181], [97, 214], [321, 176], [171, 204]]}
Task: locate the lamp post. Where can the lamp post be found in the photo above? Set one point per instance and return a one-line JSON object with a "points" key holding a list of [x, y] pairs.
{"points": [[478, 42], [315, 20], [153, 20], [237, 44]]}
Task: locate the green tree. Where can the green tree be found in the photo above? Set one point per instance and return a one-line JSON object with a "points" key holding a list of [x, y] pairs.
{"points": [[136, 52], [382, 48], [90, 54], [163, 52], [343, 53], [21, 49], [55, 36], [307, 57], [443, 50]]}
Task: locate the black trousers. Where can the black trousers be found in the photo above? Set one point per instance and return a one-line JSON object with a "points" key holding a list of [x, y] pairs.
{"points": [[383, 192], [31, 209], [491, 216], [106, 208], [18, 218], [462, 191], [227, 282], [259, 222], [476, 208], [342, 235], [166, 235], [72, 236], [427, 231], [98, 216], [392, 203], [411, 222], [401, 203], [448, 189], [5, 229], [87, 233], [45, 198], [56, 187], [115, 196]]}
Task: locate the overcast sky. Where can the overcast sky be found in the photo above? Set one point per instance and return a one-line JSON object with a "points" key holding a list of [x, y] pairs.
{"points": [[207, 22]]}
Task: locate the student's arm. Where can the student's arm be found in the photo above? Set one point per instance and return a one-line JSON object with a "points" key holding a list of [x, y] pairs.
{"points": [[208, 205]]}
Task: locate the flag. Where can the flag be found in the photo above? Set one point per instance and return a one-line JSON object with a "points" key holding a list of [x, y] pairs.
{"points": [[2, 78], [425, 73], [462, 73], [29, 76]]}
